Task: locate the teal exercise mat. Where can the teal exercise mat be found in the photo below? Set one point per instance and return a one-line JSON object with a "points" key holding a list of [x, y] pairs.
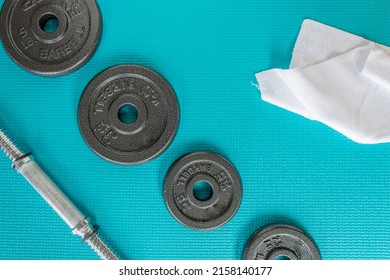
{"points": [[293, 171]]}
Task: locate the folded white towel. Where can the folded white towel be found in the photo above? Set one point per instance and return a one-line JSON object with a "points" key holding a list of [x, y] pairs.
{"points": [[337, 78]]}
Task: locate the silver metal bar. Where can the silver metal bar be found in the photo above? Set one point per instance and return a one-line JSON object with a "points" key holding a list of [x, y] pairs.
{"points": [[25, 165]]}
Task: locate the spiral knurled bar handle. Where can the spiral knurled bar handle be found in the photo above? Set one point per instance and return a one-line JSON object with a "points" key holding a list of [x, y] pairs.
{"points": [[24, 164]]}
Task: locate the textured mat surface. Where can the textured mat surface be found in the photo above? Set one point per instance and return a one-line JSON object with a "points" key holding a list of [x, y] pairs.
{"points": [[293, 170]]}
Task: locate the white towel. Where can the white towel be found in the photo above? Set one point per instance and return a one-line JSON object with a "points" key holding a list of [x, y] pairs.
{"points": [[336, 78]]}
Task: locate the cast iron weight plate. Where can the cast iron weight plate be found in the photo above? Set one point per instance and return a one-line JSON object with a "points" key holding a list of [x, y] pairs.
{"points": [[156, 114], [50, 52], [280, 241], [218, 208]]}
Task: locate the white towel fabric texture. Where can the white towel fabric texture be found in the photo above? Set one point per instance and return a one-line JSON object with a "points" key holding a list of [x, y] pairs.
{"points": [[336, 78]]}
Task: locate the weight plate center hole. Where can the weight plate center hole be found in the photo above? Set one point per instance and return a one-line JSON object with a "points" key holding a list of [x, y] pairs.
{"points": [[49, 23], [128, 114], [282, 258], [203, 191]]}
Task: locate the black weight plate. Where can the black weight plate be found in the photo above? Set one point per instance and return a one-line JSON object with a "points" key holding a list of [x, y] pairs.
{"points": [[280, 242], [151, 131], [225, 190], [50, 37]]}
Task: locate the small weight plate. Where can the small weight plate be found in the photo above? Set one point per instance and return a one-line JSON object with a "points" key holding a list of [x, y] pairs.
{"points": [[50, 37], [280, 242], [214, 209], [155, 114]]}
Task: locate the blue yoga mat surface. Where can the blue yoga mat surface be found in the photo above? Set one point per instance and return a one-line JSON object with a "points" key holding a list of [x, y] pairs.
{"points": [[293, 170]]}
